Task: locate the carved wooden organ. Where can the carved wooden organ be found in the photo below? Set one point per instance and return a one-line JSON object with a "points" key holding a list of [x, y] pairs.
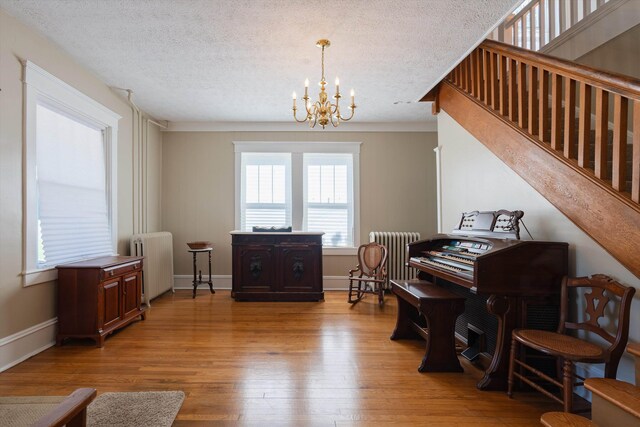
{"points": [[507, 283]]}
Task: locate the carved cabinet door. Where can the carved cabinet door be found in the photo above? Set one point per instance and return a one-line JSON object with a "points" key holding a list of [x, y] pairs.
{"points": [[299, 268], [256, 269]]}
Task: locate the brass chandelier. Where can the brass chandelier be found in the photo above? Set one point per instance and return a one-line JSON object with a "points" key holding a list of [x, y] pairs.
{"points": [[323, 111]]}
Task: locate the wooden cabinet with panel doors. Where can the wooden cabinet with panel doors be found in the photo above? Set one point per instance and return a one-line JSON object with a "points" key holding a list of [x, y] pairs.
{"points": [[98, 296], [277, 266]]}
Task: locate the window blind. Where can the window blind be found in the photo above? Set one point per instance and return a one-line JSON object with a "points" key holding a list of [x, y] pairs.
{"points": [[73, 211]]}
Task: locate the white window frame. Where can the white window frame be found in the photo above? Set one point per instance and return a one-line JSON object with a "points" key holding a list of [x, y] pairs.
{"points": [[297, 150], [39, 86]]}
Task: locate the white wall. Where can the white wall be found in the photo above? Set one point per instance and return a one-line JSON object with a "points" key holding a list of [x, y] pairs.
{"points": [[620, 55], [473, 178]]}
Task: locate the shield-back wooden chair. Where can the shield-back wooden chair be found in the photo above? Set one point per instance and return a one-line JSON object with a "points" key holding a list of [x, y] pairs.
{"points": [[370, 275], [599, 290]]}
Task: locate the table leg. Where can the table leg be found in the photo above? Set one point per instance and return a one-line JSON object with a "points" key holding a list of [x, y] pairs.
{"points": [[195, 277], [210, 281]]}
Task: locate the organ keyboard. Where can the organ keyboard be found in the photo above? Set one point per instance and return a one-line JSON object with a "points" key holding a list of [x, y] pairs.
{"points": [[509, 274]]}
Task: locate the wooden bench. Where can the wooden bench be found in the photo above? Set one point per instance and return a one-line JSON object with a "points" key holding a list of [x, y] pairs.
{"points": [[429, 311]]}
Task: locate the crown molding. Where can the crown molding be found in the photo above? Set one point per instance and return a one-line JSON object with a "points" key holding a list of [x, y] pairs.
{"points": [[429, 125]]}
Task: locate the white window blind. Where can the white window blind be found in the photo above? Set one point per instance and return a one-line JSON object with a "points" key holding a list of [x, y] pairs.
{"points": [[265, 190], [328, 202], [72, 200]]}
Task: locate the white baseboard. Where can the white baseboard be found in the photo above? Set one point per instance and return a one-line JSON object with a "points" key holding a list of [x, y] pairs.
{"points": [[26, 343], [184, 281]]}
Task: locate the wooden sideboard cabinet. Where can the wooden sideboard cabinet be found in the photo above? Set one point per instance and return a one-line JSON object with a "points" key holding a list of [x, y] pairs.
{"points": [[277, 266], [98, 296]]}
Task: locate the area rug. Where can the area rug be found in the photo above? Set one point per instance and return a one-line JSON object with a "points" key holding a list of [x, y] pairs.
{"points": [[24, 411], [151, 408]]}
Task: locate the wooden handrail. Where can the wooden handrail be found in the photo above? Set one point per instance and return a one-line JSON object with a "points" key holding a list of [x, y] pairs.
{"points": [[613, 82]]}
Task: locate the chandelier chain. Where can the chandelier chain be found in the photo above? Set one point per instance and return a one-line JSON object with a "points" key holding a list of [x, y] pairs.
{"points": [[323, 63]]}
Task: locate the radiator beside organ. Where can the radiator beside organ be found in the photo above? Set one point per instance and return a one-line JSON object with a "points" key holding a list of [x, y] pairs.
{"points": [[157, 272]]}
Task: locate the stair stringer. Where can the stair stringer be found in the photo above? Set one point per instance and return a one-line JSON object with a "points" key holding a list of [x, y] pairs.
{"points": [[610, 219]]}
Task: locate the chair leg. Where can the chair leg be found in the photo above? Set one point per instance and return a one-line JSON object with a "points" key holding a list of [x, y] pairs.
{"points": [[350, 298], [567, 385], [380, 294], [358, 292], [512, 357]]}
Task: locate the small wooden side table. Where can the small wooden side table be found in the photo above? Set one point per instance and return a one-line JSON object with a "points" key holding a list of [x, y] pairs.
{"points": [[197, 274]]}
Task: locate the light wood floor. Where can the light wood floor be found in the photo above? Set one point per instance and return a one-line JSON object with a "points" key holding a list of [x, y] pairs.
{"points": [[272, 364]]}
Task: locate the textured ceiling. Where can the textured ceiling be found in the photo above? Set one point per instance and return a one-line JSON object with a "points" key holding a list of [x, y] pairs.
{"points": [[216, 60]]}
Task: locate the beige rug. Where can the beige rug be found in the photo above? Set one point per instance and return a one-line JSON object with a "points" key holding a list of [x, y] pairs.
{"points": [[152, 408]]}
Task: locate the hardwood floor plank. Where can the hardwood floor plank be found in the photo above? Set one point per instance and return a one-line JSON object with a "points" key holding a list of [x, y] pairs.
{"points": [[289, 364]]}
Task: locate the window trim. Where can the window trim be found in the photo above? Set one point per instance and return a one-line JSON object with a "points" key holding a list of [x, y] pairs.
{"points": [[297, 149], [41, 86]]}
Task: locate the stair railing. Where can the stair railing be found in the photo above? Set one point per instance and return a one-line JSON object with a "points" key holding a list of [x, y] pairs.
{"points": [[538, 22], [588, 117]]}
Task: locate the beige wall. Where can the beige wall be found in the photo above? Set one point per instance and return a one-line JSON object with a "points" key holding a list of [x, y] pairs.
{"points": [[473, 178], [620, 54], [20, 307], [397, 188]]}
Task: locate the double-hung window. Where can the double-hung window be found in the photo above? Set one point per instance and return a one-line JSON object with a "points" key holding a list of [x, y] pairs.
{"points": [[266, 190], [328, 197], [308, 186], [69, 176]]}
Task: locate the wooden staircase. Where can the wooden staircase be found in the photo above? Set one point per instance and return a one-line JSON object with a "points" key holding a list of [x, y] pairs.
{"points": [[572, 132]]}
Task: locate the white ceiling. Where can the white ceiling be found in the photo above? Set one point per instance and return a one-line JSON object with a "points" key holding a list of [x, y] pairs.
{"points": [[239, 61]]}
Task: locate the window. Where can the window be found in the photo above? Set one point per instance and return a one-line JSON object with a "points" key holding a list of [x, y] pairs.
{"points": [[69, 176], [309, 186], [328, 204], [266, 190]]}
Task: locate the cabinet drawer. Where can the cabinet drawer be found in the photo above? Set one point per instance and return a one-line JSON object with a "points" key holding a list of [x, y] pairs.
{"points": [[121, 269]]}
